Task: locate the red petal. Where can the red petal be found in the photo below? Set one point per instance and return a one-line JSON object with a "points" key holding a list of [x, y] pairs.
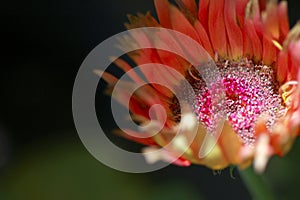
{"points": [[191, 5], [234, 33], [240, 11], [216, 27], [182, 162], [203, 13], [163, 12], [138, 108], [262, 4], [145, 141]]}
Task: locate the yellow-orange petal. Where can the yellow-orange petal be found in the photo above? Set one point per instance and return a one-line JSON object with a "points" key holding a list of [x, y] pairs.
{"points": [[228, 136], [215, 158]]}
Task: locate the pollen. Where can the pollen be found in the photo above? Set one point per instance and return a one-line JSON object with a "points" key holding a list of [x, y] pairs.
{"points": [[251, 90]]}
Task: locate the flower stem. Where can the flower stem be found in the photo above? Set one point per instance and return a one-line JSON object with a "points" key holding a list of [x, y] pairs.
{"points": [[256, 184]]}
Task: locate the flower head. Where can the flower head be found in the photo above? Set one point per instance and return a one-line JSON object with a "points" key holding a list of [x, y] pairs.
{"points": [[257, 58]]}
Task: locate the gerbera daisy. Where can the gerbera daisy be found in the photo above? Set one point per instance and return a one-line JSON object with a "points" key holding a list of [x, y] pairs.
{"points": [[257, 59]]}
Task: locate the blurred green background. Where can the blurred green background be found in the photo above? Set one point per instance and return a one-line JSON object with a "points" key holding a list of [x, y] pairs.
{"points": [[41, 155]]}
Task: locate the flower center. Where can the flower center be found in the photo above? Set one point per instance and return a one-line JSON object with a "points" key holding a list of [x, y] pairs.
{"points": [[251, 90]]}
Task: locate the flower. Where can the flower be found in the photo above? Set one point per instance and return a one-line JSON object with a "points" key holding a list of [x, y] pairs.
{"points": [[257, 56]]}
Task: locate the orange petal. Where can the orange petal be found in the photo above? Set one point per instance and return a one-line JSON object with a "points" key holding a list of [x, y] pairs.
{"points": [[173, 60], [162, 9], [260, 126], [256, 43], [253, 13], [283, 20], [247, 44], [106, 76], [271, 21], [154, 74], [204, 38], [294, 49], [269, 51], [155, 154], [294, 66], [157, 74], [126, 67], [192, 48], [280, 139], [181, 24], [167, 41], [216, 27], [282, 66], [234, 33]]}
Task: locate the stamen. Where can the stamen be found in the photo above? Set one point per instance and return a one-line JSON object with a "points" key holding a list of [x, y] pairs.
{"points": [[251, 91], [277, 44], [286, 91], [190, 71]]}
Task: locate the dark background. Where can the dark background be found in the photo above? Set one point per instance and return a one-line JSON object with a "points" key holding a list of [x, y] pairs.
{"points": [[41, 155]]}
